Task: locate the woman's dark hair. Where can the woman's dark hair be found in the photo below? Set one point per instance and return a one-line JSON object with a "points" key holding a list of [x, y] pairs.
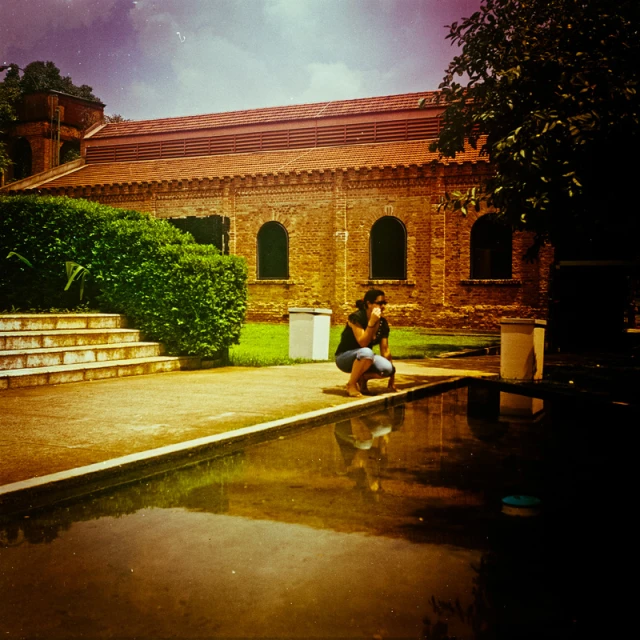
{"points": [[370, 296]]}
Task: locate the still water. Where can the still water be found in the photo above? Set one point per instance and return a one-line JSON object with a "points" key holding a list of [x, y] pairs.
{"points": [[389, 525]]}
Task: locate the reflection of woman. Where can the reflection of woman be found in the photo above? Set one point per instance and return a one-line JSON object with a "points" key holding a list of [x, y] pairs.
{"points": [[363, 443], [362, 452], [365, 328]]}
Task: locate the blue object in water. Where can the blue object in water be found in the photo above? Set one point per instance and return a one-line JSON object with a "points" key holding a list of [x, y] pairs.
{"points": [[521, 505]]}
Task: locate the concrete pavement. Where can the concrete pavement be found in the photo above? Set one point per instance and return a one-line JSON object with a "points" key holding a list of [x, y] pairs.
{"points": [[51, 434]]}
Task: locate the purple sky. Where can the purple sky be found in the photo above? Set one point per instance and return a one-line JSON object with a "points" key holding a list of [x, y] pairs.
{"points": [[161, 58]]}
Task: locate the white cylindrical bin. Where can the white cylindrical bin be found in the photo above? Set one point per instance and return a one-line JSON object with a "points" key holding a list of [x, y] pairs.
{"points": [[309, 333], [521, 348]]}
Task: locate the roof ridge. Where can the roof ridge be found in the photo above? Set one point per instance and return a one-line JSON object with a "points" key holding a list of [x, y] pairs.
{"points": [[323, 104]]}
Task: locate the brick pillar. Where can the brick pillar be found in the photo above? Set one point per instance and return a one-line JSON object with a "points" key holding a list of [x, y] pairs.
{"points": [[341, 240], [40, 153], [228, 210], [438, 237]]}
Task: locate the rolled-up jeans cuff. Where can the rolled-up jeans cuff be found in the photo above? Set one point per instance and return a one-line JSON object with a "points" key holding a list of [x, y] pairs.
{"points": [[382, 366]]}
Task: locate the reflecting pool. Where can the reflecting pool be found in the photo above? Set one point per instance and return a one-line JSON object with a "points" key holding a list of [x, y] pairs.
{"points": [[389, 525]]}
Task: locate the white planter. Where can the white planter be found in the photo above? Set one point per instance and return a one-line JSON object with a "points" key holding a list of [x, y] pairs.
{"points": [[522, 348], [309, 333]]}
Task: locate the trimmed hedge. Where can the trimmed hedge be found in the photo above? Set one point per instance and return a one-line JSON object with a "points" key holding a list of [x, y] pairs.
{"points": [[185, 295]]}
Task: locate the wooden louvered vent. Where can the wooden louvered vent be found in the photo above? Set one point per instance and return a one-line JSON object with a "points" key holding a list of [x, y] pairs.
{"points": [[302, 138]]}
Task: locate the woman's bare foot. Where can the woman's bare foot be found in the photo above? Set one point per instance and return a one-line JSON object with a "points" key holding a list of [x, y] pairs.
{"points": [[353, 391]]}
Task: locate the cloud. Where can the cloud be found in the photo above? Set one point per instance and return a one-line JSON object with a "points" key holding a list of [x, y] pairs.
{"points": [[44, 16], [161, 58], [333, 81], [204, 71], [220, 74]]}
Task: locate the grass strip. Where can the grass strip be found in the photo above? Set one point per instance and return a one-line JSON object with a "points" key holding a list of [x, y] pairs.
{"points": [[264, 345]]}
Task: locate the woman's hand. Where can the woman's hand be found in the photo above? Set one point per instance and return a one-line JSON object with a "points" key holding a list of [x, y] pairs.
{"points": [[376, 314]]}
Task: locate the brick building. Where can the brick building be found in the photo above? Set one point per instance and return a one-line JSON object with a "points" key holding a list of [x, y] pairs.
{"points": [[49, 128], [324, 201]]}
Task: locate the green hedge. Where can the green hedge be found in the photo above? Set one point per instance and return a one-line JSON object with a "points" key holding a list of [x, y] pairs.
{"points": [[186, 295]]}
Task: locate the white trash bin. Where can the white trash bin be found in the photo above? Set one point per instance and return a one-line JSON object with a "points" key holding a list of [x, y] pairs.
{"points": [[309, 331], [522, 348]]}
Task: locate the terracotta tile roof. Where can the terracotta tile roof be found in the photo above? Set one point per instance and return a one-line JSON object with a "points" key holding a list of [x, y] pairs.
{"points": [[268, 162], [400, 102]]}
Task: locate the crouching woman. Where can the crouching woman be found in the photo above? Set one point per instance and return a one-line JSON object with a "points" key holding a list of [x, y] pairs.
{"points": [[366, 328]]}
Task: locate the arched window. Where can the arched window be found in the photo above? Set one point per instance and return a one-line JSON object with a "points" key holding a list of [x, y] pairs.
{"points": [[273, 252], [490, 249], [388, 249]]}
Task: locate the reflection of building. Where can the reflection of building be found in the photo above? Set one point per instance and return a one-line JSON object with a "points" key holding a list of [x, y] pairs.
{"points": [[48, 131], [323, 200]]}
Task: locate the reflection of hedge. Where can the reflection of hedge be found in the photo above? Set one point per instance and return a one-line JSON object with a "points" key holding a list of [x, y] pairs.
{"points": [[202, 487], [185, 295]]}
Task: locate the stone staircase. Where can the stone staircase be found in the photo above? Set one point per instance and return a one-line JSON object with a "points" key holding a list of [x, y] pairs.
{"points": [[39, 349]]}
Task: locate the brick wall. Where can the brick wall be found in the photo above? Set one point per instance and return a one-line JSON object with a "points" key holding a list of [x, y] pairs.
{"points": [[328, 217]]}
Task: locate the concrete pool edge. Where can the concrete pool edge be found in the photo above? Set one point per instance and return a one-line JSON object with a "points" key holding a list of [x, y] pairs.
{"points": [[43, 491]]}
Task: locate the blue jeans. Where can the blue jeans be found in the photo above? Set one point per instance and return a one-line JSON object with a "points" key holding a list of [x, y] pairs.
{"points": [[380, 365]]}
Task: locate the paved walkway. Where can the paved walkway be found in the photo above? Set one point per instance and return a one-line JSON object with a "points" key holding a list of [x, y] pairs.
{"points": [[52, 429]]}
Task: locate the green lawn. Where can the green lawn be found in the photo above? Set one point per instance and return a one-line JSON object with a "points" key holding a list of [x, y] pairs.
{"points": [[263, 344]]}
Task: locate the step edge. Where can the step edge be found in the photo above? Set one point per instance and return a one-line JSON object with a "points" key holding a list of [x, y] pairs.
{"points": [[64, 332], [33, 371], [83, 347]]}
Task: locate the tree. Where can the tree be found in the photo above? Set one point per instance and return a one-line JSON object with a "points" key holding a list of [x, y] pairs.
{"points": [[116, 117], [45, 76], [9, 95], [550, 94]]}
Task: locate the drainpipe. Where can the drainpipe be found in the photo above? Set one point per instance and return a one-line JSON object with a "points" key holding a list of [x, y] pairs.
{"points": [[57, 150]]}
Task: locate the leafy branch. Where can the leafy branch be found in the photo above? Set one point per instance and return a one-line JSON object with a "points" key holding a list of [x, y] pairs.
{"points": [[75, 270], [12, 254]]}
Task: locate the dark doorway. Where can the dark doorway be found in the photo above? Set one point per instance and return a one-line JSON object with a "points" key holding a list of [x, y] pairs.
{"points": [[22, 159], [206, 230], [588, 304]]}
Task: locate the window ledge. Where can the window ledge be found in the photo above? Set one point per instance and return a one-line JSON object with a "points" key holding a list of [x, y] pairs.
{"points": [[271, 281], [406, 283], [480, 282]]}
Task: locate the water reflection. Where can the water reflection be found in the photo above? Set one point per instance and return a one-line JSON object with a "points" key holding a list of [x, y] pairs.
{"points": [[363, 443], [424, 472], [201, 487], [490, 412], [385, 525]]}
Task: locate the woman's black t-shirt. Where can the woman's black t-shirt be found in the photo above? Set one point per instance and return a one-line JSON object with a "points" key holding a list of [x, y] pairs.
{"points": [[348, 340]]}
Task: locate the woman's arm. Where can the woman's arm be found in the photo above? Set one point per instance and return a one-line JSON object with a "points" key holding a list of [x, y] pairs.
{"points": [[385, 352], [365, 336]]}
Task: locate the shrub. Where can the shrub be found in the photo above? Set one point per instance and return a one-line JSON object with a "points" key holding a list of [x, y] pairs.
{"points": [[186, 295]]}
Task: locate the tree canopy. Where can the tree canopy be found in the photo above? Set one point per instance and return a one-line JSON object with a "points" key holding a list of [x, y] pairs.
{"points": [[549, 90], [36, 76], [115, 118], [45, 76]]}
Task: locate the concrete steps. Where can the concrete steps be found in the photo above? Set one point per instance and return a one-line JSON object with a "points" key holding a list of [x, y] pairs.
{"points": [[39, 349]]}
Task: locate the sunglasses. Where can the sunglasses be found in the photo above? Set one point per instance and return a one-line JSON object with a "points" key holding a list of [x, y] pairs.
{"points": [[380, 303]]}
